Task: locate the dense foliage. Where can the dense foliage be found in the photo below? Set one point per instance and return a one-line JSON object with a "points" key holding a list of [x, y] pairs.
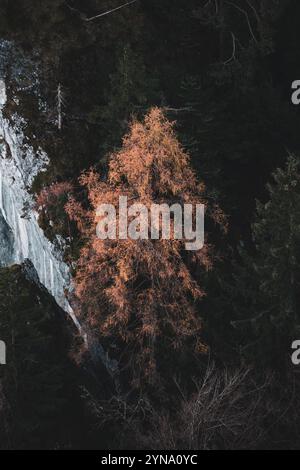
{"points": [[201, 90], [37, 381], [143, 294]]}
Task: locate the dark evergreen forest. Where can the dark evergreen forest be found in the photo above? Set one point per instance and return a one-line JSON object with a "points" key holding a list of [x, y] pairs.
{"points": [[221, 72]]}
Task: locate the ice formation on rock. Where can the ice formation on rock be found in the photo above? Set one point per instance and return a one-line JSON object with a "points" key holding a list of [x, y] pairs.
{"points": [[20, 235]]}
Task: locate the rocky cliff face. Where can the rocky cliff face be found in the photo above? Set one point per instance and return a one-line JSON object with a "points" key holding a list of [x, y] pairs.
{"points": [[21, 237]]}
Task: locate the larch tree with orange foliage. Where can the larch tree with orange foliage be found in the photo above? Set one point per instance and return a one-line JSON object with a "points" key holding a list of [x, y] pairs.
{"points": [[141, 297]]}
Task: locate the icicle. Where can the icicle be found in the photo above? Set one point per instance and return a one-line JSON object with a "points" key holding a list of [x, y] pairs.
{"points": [[51, 276], [23, 238], [1, 197]]}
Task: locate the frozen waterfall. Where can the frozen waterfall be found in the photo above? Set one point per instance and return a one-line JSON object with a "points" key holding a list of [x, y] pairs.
{"points": [[20, 235]]}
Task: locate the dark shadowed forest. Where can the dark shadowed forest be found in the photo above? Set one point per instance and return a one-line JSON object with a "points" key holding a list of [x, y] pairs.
{"points": [[163, 101]]}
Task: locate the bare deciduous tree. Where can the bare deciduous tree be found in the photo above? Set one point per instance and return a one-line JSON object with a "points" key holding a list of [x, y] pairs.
{"points": [[60, 105]]}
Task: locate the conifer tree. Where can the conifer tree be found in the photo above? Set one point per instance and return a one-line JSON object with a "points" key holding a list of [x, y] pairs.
{"points": [[266, 289], [130, 91]]}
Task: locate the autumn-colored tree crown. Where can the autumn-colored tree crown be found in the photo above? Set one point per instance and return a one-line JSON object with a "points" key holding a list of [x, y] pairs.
{"points": [[142, 295]]}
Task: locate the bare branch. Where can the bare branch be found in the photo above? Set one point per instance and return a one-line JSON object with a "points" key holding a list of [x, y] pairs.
{"points": [[75, 10], [111, 11], [232, 57], [254, 10], [178, 110], [247, 19]]}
